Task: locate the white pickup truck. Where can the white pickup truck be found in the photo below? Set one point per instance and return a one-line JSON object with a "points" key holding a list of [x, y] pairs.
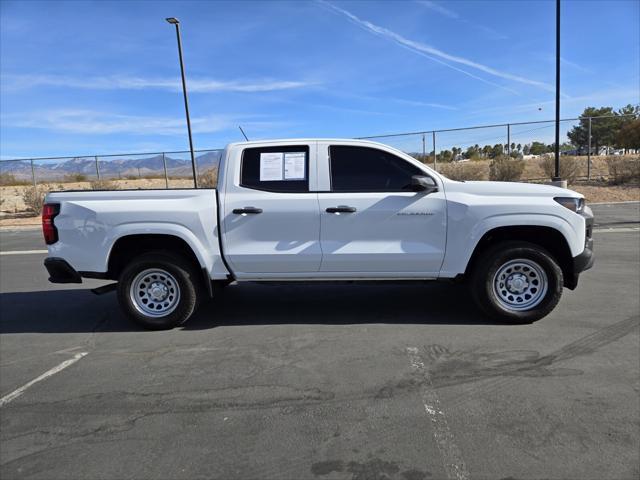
{"points": [[321, 210]]}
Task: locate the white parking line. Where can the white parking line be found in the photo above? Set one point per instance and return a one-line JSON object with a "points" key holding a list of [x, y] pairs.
{"points": [[16, 393], [453, 464], [616, 230], [24, 252]]}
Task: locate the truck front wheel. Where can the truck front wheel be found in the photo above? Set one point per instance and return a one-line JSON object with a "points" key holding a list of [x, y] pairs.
{"points": [[516, 282], [158, 291]]}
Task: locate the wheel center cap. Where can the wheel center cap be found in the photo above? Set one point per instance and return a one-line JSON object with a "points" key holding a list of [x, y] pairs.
{"points": [[157, 291], [517, 283]]}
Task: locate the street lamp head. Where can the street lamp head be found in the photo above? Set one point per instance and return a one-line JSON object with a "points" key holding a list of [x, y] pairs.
{"points": [[173, 20]]}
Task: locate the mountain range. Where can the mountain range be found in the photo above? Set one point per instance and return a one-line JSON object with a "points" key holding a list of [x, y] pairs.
{"points": [[110, 167]]}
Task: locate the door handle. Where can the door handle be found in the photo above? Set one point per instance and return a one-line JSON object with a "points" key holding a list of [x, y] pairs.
{"points": [[341, 209], [245, 210]]}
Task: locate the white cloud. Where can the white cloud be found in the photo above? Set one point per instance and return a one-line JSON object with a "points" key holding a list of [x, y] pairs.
{"points": [[439, 55], [118, 82], [100, 123], [439, 8], [454, 15], [574, 65], [416, 103]]}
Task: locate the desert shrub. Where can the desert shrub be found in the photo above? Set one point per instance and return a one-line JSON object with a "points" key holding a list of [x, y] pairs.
{"points": [[505, 169], [463, 171], [33, 198], [131, 177], [103, 185], [7, 179], [75, 177], [623, 170], [569, 167], [209, 179]]}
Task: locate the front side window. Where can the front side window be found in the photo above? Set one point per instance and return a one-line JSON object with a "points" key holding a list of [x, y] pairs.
{"points": [[276, 169], [364, 169]]}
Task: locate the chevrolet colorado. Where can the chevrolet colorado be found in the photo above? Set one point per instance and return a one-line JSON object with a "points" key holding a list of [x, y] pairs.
{"points": [[321, 210]]}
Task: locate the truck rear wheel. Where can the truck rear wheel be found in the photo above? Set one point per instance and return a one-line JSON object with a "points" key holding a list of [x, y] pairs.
{"points": [[516, 282], [158, 290]]}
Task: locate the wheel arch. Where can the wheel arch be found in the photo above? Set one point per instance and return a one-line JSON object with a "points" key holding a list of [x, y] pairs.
{"points": [[549, 238], [127, 247]]}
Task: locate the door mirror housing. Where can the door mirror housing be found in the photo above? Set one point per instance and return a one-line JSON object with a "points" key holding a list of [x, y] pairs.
{"points": [[423, 183]]}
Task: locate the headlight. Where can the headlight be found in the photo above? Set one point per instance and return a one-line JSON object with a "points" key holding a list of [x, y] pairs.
{"points": [[573, 204]]}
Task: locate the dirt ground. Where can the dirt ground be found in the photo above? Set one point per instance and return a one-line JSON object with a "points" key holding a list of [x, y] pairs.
{"points": [[12, 201], [601, 194]]}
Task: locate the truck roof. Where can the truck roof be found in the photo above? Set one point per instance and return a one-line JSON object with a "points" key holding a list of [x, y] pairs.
{"points": [[301, 140]]}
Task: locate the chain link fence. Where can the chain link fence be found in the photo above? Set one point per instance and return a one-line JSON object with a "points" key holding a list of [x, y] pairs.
{"points": [[596, 149], [590, 141]]}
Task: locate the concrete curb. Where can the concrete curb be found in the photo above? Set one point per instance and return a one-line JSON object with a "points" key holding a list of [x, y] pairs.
{"points": [[9, 228], [615, 203]]}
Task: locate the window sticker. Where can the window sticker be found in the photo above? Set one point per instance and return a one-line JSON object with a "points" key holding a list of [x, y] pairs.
{"points": [[294, 166], [271, 166]]}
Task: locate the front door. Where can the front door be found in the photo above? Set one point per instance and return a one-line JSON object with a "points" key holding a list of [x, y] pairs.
{"points": [[372, 224], [271, 221]]}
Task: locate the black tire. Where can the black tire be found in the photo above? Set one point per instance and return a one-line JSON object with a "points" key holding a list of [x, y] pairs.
{"points": [[182, 280], [500, 302]]}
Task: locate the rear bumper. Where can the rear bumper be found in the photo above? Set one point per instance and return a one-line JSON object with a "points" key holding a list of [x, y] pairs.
{"points": [[60, 271]]}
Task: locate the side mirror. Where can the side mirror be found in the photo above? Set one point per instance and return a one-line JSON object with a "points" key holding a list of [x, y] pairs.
{"points": [[423, 183]]}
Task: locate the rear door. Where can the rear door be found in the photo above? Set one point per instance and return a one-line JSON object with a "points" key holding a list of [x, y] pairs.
{"points": [[372, 224], [271, 219]]}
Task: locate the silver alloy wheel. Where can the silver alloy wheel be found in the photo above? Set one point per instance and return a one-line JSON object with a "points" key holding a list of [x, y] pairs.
{"points": [[155, 292], [520, 284]]}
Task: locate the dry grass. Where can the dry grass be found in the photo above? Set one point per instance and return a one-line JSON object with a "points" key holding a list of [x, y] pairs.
{"points": [[208, 179], [13, 196], [534, 169], [569, 168], [505, 169], [465, 171]]}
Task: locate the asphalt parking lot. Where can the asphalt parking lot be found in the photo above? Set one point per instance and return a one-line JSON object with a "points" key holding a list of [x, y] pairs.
{"points": [[321, 382]]}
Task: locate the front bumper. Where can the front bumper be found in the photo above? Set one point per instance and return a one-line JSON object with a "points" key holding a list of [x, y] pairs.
{"points": [[583, 261], [60, 271]]}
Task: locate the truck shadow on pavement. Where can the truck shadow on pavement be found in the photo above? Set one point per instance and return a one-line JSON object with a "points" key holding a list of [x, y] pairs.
{"points": [[80, 311]]}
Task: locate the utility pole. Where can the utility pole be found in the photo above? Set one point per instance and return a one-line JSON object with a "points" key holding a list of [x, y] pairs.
{"points": [[556, 180], [176, 22]]}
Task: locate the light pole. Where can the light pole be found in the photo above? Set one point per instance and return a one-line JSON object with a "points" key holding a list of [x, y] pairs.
{"points": [[176, 22], [556, 179]]}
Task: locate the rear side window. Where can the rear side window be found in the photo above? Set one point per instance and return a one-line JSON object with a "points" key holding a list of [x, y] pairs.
{"points": [[276, 169], [363, 169]]}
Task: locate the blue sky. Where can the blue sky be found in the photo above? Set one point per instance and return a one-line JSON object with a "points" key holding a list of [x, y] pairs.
{"points": [[103, 77]]}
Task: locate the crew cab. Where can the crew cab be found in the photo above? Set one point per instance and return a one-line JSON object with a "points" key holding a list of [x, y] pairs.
{"points": [[311, 210]]}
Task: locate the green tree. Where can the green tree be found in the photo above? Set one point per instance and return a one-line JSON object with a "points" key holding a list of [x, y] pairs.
{"points": [[537, 148], [496, 151], [629, 135], [472, 152], [604, 131], [445, 156]]}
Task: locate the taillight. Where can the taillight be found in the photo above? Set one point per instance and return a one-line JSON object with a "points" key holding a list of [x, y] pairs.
{"points": [[49, 212]]}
